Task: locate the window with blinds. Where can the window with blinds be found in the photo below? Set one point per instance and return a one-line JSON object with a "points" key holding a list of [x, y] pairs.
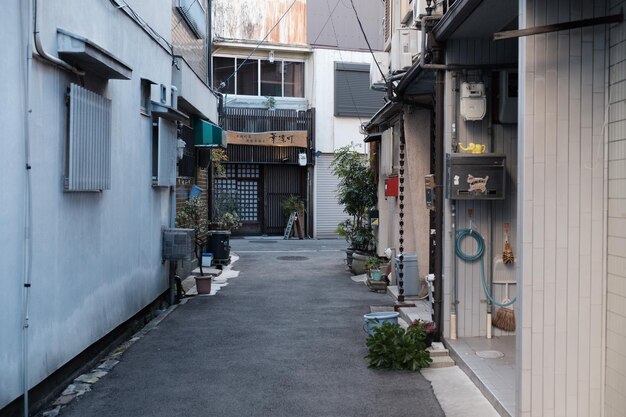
{"points": [[353, 95]]}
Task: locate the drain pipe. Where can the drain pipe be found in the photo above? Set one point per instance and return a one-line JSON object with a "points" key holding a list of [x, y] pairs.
{"points": [[27, 247], [42, 53], [454, 302]]}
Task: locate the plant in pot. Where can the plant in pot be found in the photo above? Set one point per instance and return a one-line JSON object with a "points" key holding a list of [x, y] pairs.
{"points": [[372, 265], [356, 191], [194, 215], [392, 347], [294, 204], [224, 220]]}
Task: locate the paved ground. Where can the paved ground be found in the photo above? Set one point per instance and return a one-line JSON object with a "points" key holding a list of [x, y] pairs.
{"points": [[285, 338]]}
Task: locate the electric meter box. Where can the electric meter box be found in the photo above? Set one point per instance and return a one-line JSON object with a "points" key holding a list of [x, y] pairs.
{"points": [[473, 101], [476, 177]]}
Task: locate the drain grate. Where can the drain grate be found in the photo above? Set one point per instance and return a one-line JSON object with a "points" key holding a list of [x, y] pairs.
{"points": [[292, 258], [490, 354]]}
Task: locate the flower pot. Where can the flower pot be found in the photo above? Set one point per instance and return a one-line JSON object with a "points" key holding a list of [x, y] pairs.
{"points": [[203, 284], [358, 262]]}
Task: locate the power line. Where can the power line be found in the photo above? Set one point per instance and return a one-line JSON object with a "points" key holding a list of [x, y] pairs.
{"points": [[225, 82], [356, 108], [326, 22], [367, 41]]}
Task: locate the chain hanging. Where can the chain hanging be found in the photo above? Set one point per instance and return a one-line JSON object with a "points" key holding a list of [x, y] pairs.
{"points": [[401, 224]]}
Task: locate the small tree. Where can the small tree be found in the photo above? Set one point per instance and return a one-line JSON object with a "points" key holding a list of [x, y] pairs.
{"points": [[357, 192], [194, 215]]}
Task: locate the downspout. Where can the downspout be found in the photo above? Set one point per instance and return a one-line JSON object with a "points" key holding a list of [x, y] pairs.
{"points": [[43, 54], [27, 247], [439, 206]]}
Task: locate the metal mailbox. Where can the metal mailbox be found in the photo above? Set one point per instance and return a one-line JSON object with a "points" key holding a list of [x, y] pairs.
{"points": [[476, 176]]}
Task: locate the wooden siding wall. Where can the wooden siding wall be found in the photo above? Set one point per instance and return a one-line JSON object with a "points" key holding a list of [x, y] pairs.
{"points": [[562, 179], [616, 287], [472, 307]]}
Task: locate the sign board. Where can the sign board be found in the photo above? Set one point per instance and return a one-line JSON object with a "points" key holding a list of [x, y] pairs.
{"points": [[297, 138]]}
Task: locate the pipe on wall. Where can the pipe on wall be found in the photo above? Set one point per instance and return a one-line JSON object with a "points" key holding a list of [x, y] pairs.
{"points": [[39, 47]]}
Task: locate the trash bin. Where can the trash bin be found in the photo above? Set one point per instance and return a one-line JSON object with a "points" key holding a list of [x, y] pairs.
{"points": [[218, 243], [410, 278]]}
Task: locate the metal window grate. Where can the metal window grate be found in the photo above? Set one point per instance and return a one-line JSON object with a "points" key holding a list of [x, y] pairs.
{"points": [[88, 161]]}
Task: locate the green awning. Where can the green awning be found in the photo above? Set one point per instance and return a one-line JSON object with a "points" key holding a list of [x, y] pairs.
{"points": [[208, 135]]}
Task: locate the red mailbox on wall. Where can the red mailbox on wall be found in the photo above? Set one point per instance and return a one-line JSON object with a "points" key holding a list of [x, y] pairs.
{"points": [[391, 187]]}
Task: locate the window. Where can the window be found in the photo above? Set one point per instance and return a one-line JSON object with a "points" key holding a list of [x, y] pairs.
{"points": [[271, 78], [294, 79], [163, 153], [222, 69], [259, 77], [144, 104], [88, 148], [353, 95], [248, 78]]}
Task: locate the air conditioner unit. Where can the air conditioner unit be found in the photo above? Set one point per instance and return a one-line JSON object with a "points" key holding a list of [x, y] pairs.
{"points": [[376, 79], [419, 10], [406, 11], [405, 45]]}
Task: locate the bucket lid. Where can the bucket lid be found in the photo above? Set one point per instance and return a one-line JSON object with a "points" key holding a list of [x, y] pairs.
{"points": [[381, 315]]}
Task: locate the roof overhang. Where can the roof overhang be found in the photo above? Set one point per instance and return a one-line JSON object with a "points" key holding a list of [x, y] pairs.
{"points": [[477, 19], [86, 55], [167, 112]]}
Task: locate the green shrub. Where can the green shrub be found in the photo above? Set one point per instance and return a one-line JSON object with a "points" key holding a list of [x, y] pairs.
{"points": [[391, 347]]}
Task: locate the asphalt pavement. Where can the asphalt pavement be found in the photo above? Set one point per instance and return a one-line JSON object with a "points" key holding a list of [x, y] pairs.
{"points": [[284, 338]]}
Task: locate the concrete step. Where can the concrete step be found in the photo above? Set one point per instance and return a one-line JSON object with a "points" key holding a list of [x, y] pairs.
{"points": [[437, 349], [442, 362], [421, 311]]}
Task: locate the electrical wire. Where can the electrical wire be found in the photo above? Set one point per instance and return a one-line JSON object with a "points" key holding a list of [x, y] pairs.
{"points": [[326, 22], [367, 41], [225, 82], [356, 108], [478, 255]]}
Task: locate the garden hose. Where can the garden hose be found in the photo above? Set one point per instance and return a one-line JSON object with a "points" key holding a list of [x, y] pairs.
{"points": [[480, 251]]}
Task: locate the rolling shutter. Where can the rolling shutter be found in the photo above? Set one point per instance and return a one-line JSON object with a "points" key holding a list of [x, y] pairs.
{"points": [[328, 213]]}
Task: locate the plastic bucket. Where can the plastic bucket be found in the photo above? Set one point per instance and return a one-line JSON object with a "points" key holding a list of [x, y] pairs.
{"points": [[373, 320], [207, 259]]}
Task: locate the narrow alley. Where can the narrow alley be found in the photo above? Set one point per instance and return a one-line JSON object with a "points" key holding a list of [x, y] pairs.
{"points": [[284, 338]]}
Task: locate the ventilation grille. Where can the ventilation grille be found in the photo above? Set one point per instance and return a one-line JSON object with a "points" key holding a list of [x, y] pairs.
{"points": [[88, 163]]}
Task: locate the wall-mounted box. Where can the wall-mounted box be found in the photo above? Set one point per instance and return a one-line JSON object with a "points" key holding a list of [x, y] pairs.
{"points": [[391, 187], [476, 177]]}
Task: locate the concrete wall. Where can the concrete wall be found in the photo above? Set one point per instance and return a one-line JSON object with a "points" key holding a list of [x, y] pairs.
{"points": [[615, 394], [251, 21], [562, 207], [95, 262], [334, 24]]}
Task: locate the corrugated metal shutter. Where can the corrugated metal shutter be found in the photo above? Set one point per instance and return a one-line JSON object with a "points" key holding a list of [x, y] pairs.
{"points": [[353, 95], [328, 213]]}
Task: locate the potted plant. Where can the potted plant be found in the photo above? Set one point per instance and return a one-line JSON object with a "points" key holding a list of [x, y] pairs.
{"points": [[430, 330], [392, 347], [356, 191], [372, 266], [294, 204], [193, 215], [224, 220]]}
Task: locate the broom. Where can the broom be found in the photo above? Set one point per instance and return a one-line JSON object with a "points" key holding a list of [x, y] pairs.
{"points": [[505, 316]]}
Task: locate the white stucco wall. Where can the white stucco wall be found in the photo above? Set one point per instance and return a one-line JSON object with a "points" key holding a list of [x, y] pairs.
{"points": [[333, 132], [96, 257]]}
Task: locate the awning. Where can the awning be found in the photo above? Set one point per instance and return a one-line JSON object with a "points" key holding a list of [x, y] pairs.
{"points": [[167, 112], [88, 56], [208, 135]]}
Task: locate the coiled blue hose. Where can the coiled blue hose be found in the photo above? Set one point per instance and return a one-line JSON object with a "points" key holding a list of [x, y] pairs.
{"points": [[480, 251]]}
